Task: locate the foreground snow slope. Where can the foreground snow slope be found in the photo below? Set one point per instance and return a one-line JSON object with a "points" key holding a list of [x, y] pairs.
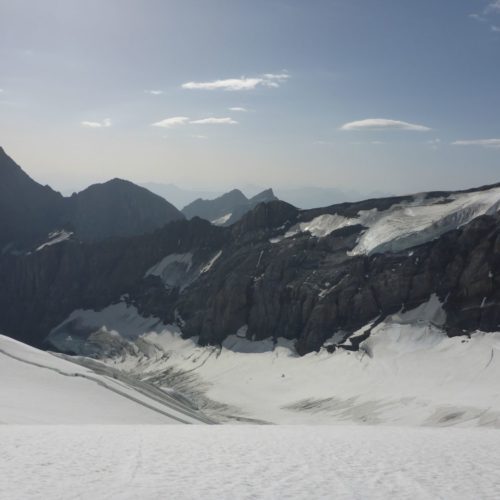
{"points": [[408, 372], [244, 462], [39, 388]]}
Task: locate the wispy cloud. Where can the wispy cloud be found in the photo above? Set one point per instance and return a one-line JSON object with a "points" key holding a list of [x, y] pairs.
{"points": [[215, 121], [238, 108], [243, 83], [174, 121], [485, 143], [199, 136], [478, 17], [487, 14], [103, 124], [154, 92], [383, 124], [493, 7]]}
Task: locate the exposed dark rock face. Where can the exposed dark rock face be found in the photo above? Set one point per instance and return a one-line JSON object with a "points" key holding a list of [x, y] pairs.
{"points": [[39, 290], [261, 272], [30, 211], [301, 288], [309, 289], [228, 208], [118, 208]]}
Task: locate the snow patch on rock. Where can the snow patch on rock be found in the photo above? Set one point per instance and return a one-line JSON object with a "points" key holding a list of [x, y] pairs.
{"points": [[210, 263], [222, 220], [321, 226], [54, 238], [174, 270]]}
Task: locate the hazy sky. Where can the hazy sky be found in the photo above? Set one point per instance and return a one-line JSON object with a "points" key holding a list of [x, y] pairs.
{"points": [[392, 95]]}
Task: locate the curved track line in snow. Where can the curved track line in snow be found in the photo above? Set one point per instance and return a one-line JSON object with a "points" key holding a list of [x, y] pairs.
{"points": [[102, 384]]}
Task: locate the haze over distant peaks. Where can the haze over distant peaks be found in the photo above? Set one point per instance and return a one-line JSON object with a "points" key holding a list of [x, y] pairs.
{"points": [[228, 208], [31, 213]]}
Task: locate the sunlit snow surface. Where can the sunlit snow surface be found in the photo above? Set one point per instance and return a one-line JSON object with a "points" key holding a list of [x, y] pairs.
{"points": [[406, 224], [247, 462], [408, 372], [37, 387]]}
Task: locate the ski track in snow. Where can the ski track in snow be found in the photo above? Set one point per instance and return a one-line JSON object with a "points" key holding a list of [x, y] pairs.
{"points": [[247, 462], [39, 388]]}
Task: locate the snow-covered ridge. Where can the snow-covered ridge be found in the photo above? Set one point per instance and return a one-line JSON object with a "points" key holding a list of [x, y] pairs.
{"points": [[178, 269], [37, 387], [407, 224]]}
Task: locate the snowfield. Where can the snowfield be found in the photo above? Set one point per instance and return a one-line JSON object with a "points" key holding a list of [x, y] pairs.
{"points": [[39, 388], [247, 462], [407, 373], [415, 413]]}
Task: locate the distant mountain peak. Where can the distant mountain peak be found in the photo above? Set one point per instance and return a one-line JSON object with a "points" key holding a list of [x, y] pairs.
{"points": [[30, 211], [228, 208], [263, 197]]}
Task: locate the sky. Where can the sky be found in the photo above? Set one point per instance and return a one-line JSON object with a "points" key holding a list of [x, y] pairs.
{"points": [[396, 95]]}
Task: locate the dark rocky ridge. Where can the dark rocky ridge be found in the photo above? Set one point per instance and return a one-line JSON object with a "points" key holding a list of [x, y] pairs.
{"points": [[118, 208], [302, 288], [39, 290], [30, 211]]}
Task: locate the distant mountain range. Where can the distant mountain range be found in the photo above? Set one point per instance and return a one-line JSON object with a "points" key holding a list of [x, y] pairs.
{"points": [[300, 197], [32, 214], [322, 278], [228, 208]]}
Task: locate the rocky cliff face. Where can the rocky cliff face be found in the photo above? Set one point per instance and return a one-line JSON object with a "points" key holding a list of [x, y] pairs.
{"points": [[278, 272], [28, 210]]}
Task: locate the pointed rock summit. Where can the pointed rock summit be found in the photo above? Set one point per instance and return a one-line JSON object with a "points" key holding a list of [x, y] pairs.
{"points": [[228, 208]]}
